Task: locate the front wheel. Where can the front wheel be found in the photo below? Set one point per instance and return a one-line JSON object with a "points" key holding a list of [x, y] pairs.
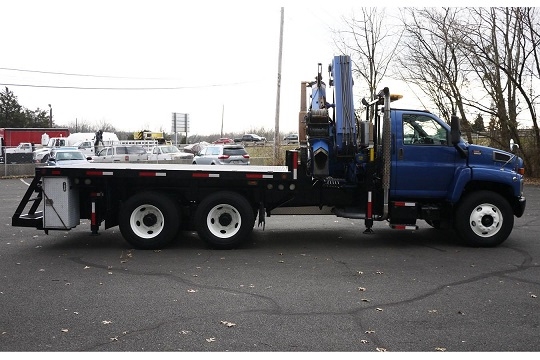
{"points": [[484, 219], [149, 220], [224, 219]]}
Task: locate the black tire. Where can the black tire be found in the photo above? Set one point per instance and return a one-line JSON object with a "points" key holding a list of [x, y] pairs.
{"points": [[224, 220], [149, 220], [484, 219]]}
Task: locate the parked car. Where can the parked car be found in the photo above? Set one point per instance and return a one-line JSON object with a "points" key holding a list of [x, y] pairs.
{"points": [[46, 155], [171, 154], [196, 147], [223, 141], [222, 155], [65, 156], [251, 138], [121, 153], [291, 139]]}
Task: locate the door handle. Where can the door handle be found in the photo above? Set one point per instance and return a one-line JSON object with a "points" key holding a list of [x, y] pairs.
{"points": [[400, 154]]}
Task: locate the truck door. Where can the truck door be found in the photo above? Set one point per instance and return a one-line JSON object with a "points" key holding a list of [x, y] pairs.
{"points": [[423, 160]]}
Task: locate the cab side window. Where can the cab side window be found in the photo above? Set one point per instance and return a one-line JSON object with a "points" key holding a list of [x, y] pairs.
{"points": [[423, 130]]}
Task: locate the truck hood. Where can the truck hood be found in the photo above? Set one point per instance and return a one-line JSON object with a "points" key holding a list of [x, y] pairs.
{"points": [[484, 156]]}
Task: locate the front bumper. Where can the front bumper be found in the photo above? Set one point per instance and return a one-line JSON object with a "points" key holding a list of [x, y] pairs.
{"points": [[519, 206]]}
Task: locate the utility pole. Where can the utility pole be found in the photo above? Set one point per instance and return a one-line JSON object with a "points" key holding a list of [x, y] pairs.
{"points": [[222, 112], [276, 130], [50, 116]]}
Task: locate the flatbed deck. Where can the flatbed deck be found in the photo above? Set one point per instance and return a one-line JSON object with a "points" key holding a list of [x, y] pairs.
{"points": [[168, 167], [166, 170]]}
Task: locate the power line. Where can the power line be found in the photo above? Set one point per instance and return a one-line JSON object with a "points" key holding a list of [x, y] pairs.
{"points": [[128, 88], [84, 75]]}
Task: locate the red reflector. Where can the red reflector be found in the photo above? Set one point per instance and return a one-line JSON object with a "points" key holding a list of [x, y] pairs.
{"points": [[147, 173], [254, 176], [200, 175], [246, 156], [221, 157], [403, 203], [404, 227], [94, 173], [55, 172], [521, 171]]}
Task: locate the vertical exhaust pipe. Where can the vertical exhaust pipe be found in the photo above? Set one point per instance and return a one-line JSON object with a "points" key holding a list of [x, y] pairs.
{"points": [[387, 147]]}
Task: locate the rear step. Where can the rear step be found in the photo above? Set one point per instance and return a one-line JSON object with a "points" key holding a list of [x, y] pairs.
{"points": [[33, 218]]}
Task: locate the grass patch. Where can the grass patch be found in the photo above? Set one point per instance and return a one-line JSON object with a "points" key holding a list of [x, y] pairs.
{"points": [[264, 154]]}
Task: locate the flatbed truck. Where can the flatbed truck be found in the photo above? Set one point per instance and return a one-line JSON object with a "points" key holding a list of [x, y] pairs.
{"points": [[401, 166]]}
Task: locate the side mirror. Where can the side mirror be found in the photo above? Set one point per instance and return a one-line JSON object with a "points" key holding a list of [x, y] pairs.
{"points": [[455, 130], [455, 135]]}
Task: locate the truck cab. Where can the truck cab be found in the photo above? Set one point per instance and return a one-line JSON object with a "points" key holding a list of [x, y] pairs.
{"points": [[24, 147], [423, 151], [54, 142], [86, 147], [17, 155]]}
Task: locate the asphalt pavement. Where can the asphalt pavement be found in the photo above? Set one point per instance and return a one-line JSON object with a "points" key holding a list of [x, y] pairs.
{"points": [[303, 284]]}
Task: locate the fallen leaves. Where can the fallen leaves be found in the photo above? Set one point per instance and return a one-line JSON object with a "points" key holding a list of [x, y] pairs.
{"points": [[227, 323]]}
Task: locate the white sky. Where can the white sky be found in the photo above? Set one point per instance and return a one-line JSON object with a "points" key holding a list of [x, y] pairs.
{"points": [[217, 54]]}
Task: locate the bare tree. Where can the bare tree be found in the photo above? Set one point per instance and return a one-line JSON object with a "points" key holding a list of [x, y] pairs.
{"points": [[371, 43], [105, 126], [430, 59], [501, 54], [531, 24], [80, 126]]}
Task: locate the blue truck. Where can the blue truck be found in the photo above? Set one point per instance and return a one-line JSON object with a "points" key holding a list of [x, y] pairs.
{"points": [[395, 165]]}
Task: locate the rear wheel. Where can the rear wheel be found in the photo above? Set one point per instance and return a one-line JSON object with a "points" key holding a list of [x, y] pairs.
{"points": [[484, 219], [149, 220], [224, 220]]}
